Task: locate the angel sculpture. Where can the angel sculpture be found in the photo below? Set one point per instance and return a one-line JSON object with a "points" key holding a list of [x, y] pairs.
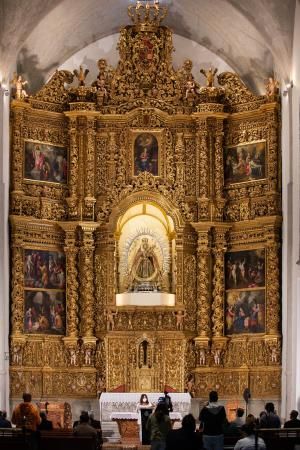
{"points": [[19, 84], [81, 75], [209, 75], [272, 87]]}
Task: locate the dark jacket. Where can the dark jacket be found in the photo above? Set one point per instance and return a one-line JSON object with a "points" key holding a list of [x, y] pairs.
{"points": [[293, 423], [213, 419], [181, 439], [45, 425], [269, 420]]}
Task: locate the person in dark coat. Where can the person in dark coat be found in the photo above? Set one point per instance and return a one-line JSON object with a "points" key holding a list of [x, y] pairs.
{"points": [[45, 423], [268, 418], [213, 419], [185, 437], [293, 422], [4, 423]]}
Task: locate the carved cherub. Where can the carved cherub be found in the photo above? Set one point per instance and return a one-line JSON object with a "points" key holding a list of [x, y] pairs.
{"points": [[202, 357], [180, 315], [73, 357], [209, 75], [88, 356], [272, 87], [19, 84], [110, 315], [217, 356], [190, 86], [81, 75]]}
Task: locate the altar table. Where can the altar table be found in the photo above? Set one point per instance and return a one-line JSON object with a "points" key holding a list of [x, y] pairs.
{"points": [[126, 402]]}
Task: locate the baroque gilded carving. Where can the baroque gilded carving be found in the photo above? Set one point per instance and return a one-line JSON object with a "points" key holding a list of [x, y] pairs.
{"points": [[186, 345]]}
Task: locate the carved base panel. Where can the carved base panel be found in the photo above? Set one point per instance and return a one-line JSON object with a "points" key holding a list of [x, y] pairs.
{"points": [[47, 383], [263, 382]]}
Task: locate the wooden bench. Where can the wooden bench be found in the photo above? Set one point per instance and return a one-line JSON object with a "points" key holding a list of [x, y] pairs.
{"points": [[18, 439], [280, 438]]}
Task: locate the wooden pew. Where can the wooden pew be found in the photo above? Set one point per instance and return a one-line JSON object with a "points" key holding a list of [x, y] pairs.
{"points": [[280, 438], [57, 439]]}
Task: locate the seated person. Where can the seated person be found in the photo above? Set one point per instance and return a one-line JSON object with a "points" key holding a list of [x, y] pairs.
{"points": [[248, 442], [4, 423], [85, 429], [268, 418], [185, 437], [239, 421], [293, 422], [45, 424]]}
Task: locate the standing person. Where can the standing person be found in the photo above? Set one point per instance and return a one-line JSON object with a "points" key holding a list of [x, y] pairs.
{"points": [[248, 442], [185, 437], [144, 409], [213, 419], [168, 402], [159, 424], [26, 416], [294, 422], [268, 418]]}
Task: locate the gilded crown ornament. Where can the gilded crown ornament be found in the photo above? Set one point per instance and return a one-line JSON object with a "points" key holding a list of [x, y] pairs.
{"points": [[147, 15]]}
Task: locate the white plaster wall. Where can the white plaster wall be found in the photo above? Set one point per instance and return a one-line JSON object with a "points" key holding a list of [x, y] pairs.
{"points": [[4, 248], [291, 232], [107, 48]]}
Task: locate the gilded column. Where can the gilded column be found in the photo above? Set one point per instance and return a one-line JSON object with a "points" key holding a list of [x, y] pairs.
{"points": [[71, 252], [179, 160], [17, 304], [203, 292], [203, 284], [202, 163], [218, 280], [72, 200], [273, 276], [218, 171], [86, 258], [89, 184], [113, 151], [179, 269]]}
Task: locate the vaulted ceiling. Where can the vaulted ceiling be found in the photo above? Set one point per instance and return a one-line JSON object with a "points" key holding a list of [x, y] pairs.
{"points": [[253, 36]]}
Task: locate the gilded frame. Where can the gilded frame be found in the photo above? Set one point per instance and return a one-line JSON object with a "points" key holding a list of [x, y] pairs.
{"points": [[65, 157], [246, 162], [137, 150]]}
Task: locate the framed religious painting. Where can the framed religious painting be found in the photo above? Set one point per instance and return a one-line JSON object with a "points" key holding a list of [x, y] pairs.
{"points": [[245, 162], [245, 269], [45, 162], [44, 269], [44, 291], [146, 152], [44, 312], [245, 311]]}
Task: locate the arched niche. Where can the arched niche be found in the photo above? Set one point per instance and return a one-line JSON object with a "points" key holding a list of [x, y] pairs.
{"points": [[145, 246]]}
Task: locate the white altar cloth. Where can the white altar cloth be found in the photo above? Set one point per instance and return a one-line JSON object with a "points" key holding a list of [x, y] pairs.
{"points": [[135, 416], [145, 299], [116, 402]]}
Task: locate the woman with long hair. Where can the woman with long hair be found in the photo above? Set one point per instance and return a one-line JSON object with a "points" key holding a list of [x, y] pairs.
{"points": [[159, 425]]}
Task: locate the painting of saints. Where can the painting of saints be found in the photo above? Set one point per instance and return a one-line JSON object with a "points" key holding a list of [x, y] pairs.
{"points": [[245, 269], [45, 162], [245, 312], [44, 269], [245, 163], [44, 312], [146, 154]]}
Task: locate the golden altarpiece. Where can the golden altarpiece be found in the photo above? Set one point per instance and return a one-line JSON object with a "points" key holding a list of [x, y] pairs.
{"points": [[145, 184]]}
